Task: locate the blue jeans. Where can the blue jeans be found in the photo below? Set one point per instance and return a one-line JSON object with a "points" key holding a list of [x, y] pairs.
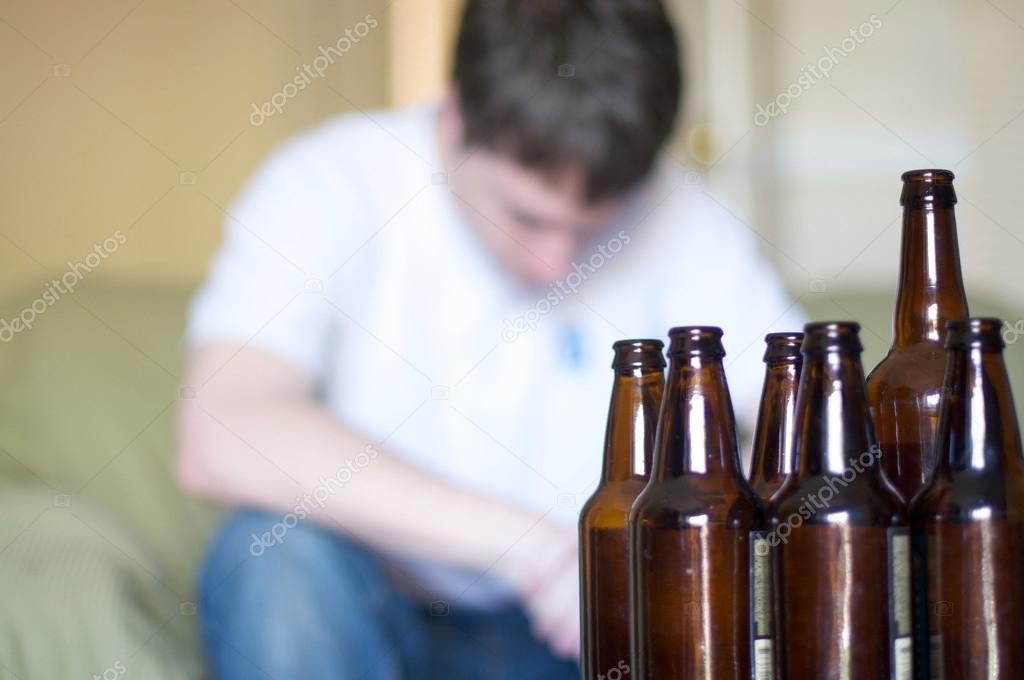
{"points": [[317, 606]]}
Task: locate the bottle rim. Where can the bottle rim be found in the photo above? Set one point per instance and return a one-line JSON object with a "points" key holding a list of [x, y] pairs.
{"points": [[832, 336], [638, 353], [696, 340], [981, 332], [927, 186], [783, 347], [936, 175]]}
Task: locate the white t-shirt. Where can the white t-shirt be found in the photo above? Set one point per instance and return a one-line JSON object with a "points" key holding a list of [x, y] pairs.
{"points": [[348, 255]]}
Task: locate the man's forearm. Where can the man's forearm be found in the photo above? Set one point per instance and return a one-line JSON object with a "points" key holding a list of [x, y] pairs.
{"points": [[268, 444]]}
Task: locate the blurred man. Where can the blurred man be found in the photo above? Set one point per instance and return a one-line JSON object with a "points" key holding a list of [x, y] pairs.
{"points": [[400, 357]]}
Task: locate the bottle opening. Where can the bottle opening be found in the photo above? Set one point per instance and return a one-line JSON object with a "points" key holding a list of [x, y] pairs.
{"points": [[977, 332], [834, 336], [783, 347], [928, 175], [928, 187], [696, 340], [643, 353]]}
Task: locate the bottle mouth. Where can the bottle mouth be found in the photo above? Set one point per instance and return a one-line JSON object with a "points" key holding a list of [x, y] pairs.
{"points": [[783, 347], [975, 332], [642, 353], [928, 175], [928, 186], [832, 336], [696, 340]]}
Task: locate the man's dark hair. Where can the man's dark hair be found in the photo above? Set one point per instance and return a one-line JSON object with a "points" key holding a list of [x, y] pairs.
{"points": [[558, 82]]}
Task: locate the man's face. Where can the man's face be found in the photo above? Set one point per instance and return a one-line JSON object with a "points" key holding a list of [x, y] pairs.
{"points": [[534, 223]]}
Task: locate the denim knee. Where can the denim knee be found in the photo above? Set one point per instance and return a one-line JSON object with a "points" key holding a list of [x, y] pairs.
{"points": [[296, 598]]}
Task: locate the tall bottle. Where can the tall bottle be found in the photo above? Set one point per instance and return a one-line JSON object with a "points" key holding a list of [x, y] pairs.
{"points": [[772, 456], [639, 367], [905, 387], [838, 530], [969, 519], [700, 599]]}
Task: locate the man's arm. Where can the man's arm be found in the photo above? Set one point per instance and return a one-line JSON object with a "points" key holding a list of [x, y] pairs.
{"points": [[254, 434]]}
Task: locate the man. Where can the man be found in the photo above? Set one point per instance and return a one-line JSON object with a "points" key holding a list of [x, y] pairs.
{"points": [[400, 356]]}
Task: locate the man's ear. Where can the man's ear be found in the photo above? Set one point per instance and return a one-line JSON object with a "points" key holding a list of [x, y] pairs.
{"points": [[452, 129], [452, 123]]}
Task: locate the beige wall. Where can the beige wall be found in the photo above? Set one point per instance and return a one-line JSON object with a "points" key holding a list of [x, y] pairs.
{"points": [[925, 84], [422, 34], [136, 117]]}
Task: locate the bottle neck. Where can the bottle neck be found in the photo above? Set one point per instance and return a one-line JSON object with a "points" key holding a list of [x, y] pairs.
{"points": [[931, 289], [978, 429], [632, 421], [697, 435], [773, 438], [833, 428]]}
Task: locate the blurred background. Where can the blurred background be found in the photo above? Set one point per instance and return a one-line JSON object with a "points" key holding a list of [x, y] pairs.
{"points": [[139, 121], [140, 116]]}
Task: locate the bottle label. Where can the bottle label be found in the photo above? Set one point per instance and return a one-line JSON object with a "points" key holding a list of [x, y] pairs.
{"points": [[764, 664], [762, 614], [901, 618], [935, 652]]}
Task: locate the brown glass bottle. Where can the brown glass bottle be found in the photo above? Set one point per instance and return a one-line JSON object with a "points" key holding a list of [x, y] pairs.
{"points": [[904, 389], [691, 531], [969, 519], [772, 457], [604, 546], [837, 529]]}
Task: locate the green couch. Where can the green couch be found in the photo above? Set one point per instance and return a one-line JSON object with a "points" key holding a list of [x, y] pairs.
{"points": [[98, 548]]}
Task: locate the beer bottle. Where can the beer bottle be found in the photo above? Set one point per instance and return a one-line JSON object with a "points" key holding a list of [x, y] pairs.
{"points": [[604, 556], [904, 388], [691, 531], [969, 519], [772, 456], [838, 529]]}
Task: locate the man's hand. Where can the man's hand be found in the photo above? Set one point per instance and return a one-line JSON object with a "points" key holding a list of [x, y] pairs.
{"points": [[544, 568]]}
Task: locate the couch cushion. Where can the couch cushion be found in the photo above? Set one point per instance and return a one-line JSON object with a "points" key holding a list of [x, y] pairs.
{"points": [[83, 597], [87, 405]]}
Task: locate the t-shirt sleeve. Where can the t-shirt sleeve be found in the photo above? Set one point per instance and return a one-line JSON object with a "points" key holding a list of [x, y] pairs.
{"points": [[265, 283]]}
